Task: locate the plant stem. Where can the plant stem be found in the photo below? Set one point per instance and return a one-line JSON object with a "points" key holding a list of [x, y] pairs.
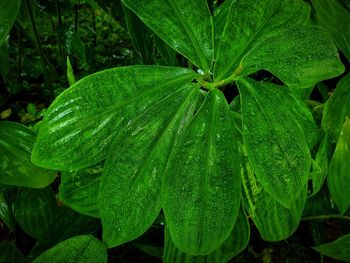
{"points": [[60, 24], [324, 217]]}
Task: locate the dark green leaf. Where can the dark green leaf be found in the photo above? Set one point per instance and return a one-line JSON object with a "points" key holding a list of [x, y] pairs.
{"points": [[339, 170], [274, 140], [132, 176], [8, 13], [338, 249], [79, 249], [35, 210], [16, 144], [4, 61], [201, 187], [185, 25], [250, 22], [300, 57], [10, 254], [79, 125], [233, 245], [6, 215]]}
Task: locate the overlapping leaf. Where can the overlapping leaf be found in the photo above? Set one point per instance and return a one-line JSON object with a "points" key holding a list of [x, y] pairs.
{"points": [[338, 249], [136, 163], [6, 215], [184, 25], [79, 125], [8, 13], [16, 144], [274, 140], [201, 187]]}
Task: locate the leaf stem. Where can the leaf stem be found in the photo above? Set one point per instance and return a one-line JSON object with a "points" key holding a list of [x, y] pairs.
{"points": [[324, 217]]}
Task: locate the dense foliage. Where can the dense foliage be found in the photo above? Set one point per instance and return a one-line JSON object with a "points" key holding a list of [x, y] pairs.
{"points": [[189, 131]]}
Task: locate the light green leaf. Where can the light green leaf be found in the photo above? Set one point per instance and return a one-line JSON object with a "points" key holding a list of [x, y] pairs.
{"points": [[79, 249], [79, 190], [232, 246], [185, 25], [70, 73], [274, 140], [300, 57], [274, 221], [79, 125], [16, 144], [336, 109], [8, 13], [34, 210], [336, 19], [338, 249], [339, 170], [249, 22], [201, 187], [132, 176], [6, 215]]}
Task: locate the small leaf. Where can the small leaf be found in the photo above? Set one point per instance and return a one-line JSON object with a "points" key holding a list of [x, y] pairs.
{"points": [[275, 143], [8, 13], [201, 186], [70, 73], [79, 249], [79, 125], [132, 176], [34, 210], [338, 249], [185, 25], [339, 171], [16, 144]]}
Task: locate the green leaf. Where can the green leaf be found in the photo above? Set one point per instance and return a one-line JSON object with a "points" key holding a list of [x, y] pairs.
{"points": [[336, 109], [185, 25], [34, 210], [4, 60], [70, 73], [79, 249], [338, 249], [232, 246], [74, 45], [8, 13], [10, 253], [6, 215], [166, 52], [201, 187], [274, 221], [339, 171], [249, 22], [336, 19], [78, 127], [275, 143], [16, 144], [79, 190], [300, 57], [136, 163]]}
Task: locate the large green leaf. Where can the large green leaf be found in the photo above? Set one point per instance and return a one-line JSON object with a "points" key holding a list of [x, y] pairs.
{"points": [[16, 144], [232, 246], [275, 143], [8, 13], [300, 56], [336, 19], [79, 249], [79, 190], [6, 215], [132, 176], [34, 210], [338, 249], [201, 187], [79, 125], [248, 23], [185, 25], [339, 170], [336, 109], [274, 221]]}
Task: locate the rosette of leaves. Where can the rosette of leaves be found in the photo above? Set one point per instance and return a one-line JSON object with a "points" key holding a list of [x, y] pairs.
{"points": [[164, 148]]}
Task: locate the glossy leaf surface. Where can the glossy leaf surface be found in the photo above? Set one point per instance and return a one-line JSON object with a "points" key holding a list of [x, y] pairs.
{"points": [[232, 246], [79, 190], [338, 249], [80, 124], [300, 56], [8, 13], [79, 249], [35, 210], [185, 25], [201, 186], [339, 170], [132, 176], [6, 215], [336, 109], [16, 144], [249, 22], [275, 143]]}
